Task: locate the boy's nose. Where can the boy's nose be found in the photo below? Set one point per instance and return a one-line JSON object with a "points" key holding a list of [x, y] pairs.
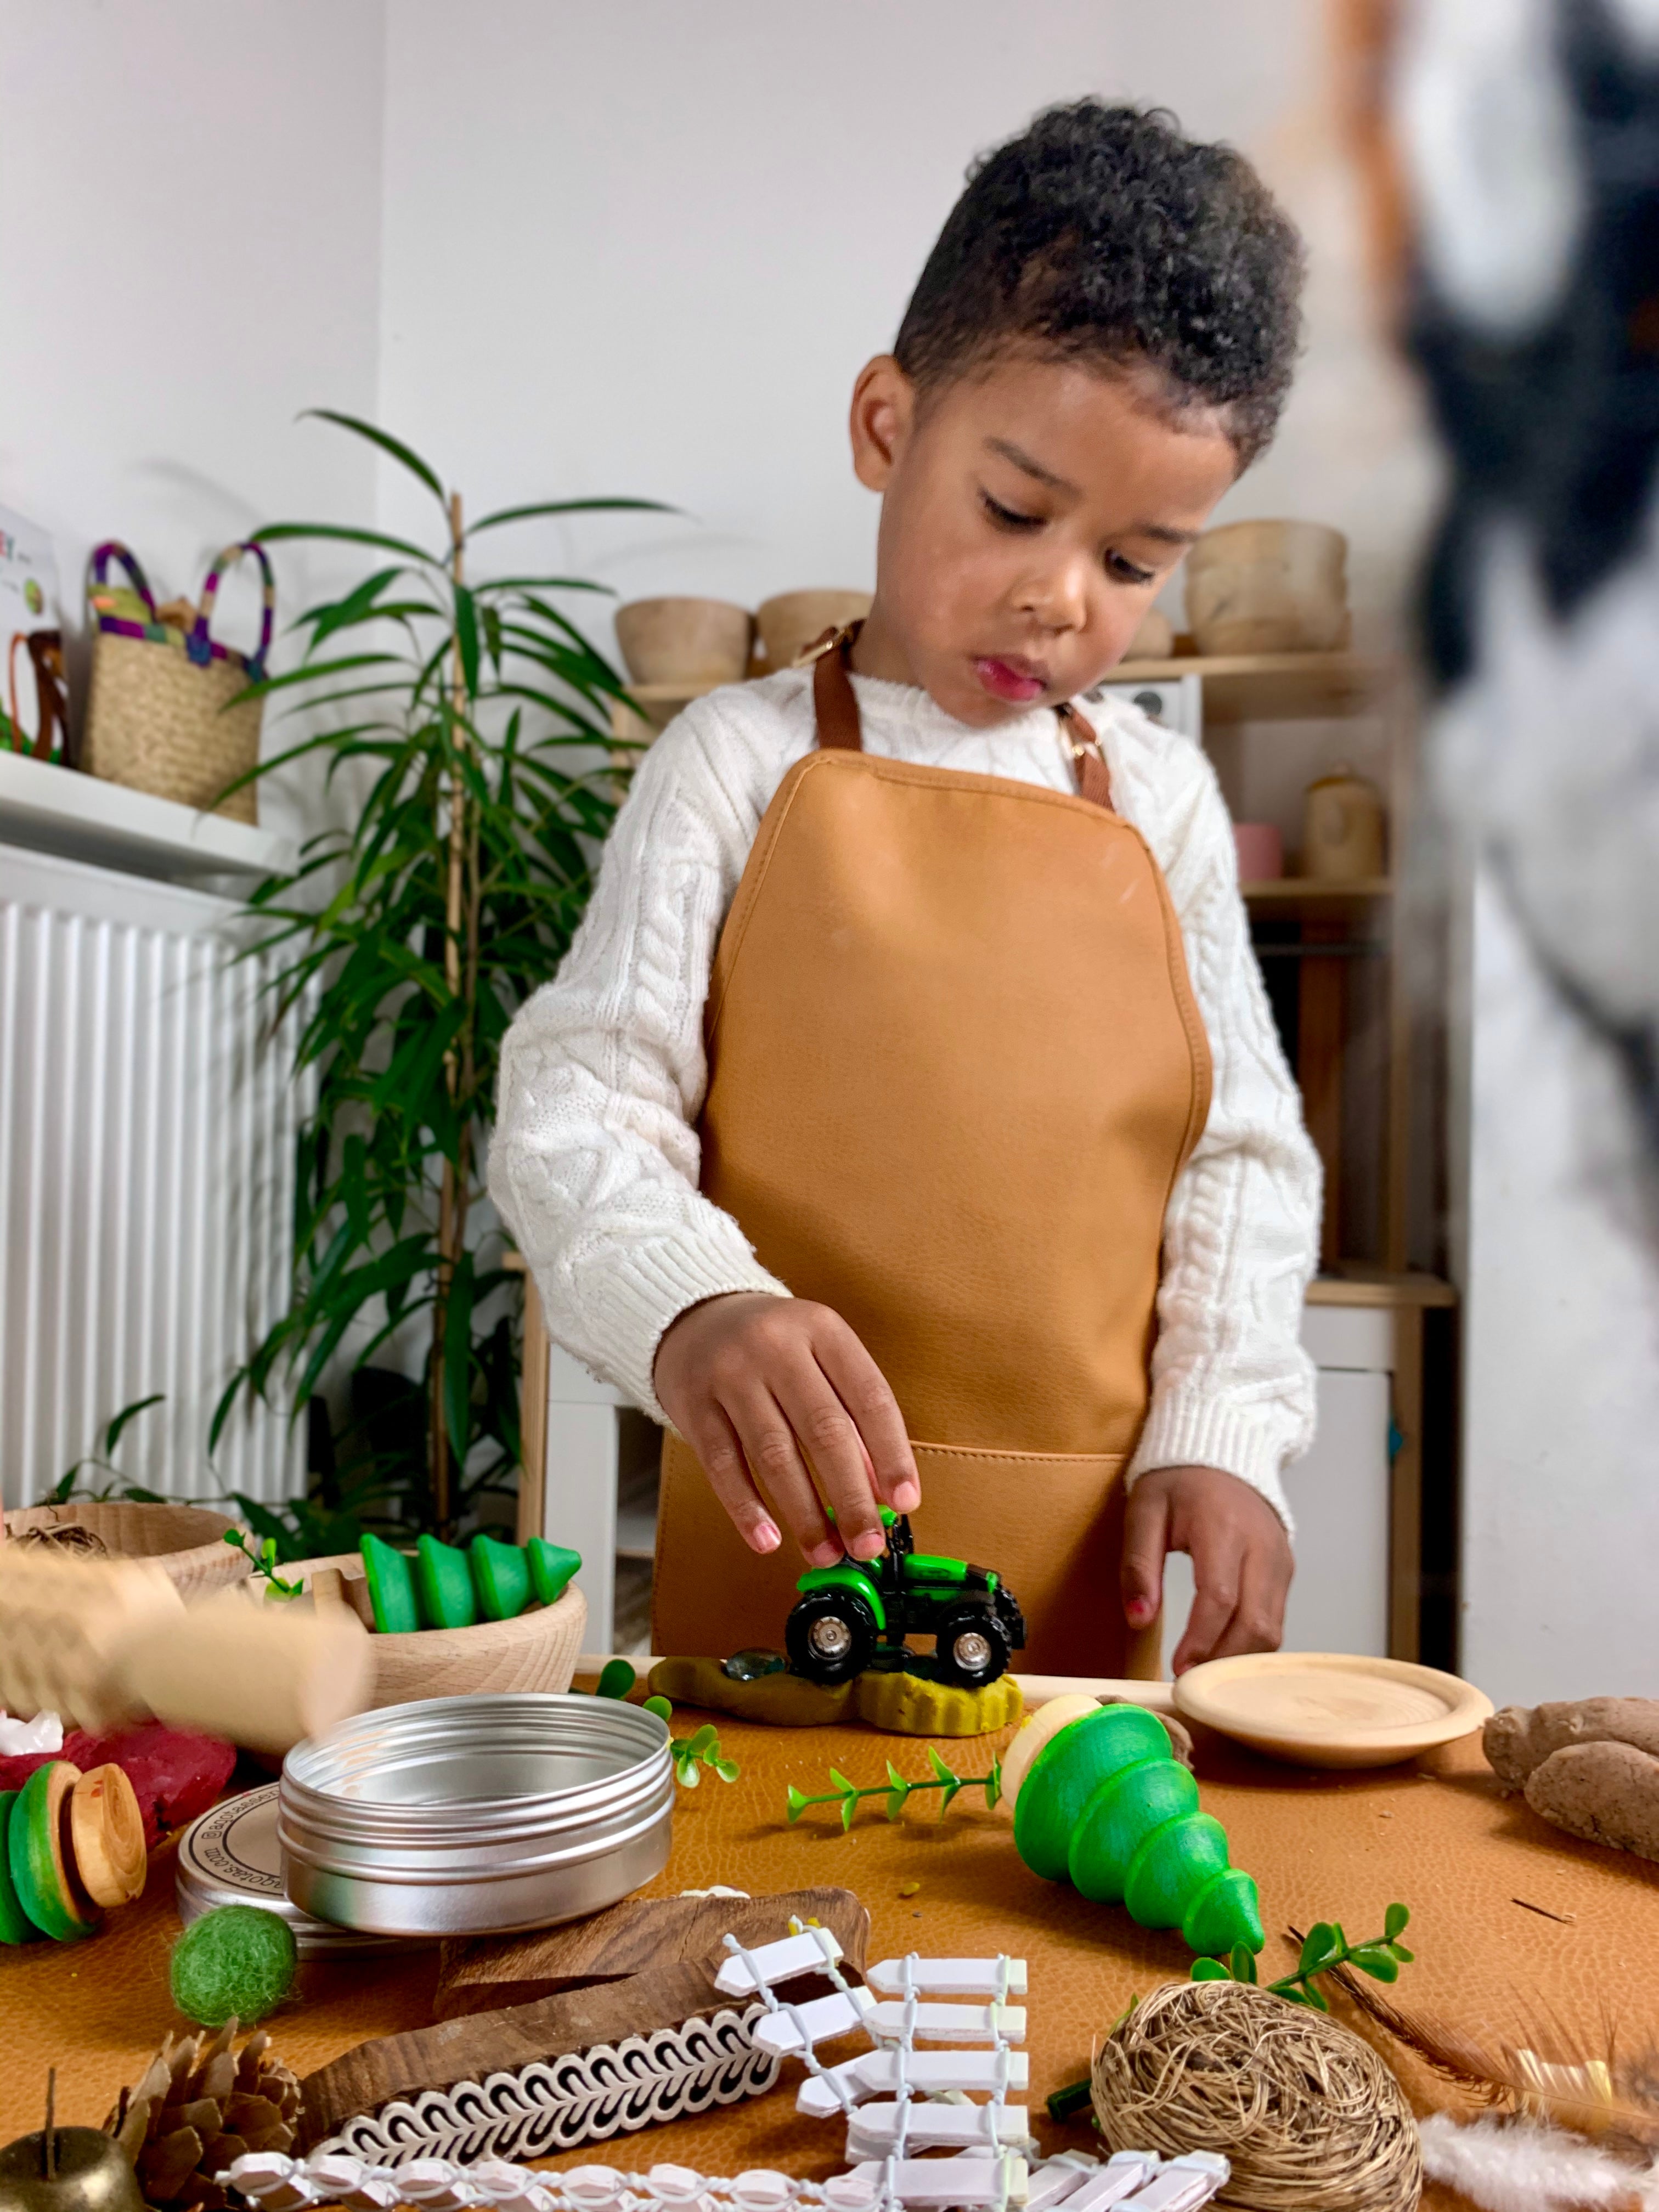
{"points": [[1058, 597]]}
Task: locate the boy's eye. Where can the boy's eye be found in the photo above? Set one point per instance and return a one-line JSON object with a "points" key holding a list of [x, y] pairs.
{"points": [[1009, 517], [1126, 572]]}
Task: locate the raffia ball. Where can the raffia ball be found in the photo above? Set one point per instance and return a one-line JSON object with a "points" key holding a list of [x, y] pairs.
{"points": [[1304, 2112]]}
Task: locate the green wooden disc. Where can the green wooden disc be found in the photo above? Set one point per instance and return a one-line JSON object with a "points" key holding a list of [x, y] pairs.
{"points": [[1225, 1912], [443, 1583], [552, 1567], [15, 1926], [1118, 1819], [391, 1587], [1066, 1773], [1171, 1866], [41, 1870], [500, 1576]]}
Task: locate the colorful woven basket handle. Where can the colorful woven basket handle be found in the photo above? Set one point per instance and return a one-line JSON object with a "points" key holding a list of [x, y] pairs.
{"points": [[113, 549], [199, 644]]}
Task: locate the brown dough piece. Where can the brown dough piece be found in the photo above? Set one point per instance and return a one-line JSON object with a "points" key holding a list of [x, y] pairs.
{"points": [[1607, 1792], [1522, 1737]]}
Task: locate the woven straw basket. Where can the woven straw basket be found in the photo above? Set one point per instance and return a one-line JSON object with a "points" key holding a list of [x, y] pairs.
{"points": [[188, 1541], [158, 719]]}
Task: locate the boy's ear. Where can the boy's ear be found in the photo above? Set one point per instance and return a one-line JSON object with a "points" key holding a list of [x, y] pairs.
{"points": [[884, 408]]}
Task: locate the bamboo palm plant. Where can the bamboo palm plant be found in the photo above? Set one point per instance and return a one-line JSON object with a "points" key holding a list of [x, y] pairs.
{"points": [[411, 939]]}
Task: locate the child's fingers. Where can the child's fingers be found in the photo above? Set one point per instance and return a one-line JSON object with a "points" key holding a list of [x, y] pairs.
{"points": [[714, 1441], [1145, 1541], [865, 1393], [773, 1459], [835, 1453], [1258, 1619]]}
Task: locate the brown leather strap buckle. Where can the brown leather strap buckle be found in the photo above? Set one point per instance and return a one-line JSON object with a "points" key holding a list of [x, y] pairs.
{"points": [[831, 638]]}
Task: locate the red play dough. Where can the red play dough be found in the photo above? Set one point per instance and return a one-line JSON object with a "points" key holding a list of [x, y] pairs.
{"points": [[174, 1774]]}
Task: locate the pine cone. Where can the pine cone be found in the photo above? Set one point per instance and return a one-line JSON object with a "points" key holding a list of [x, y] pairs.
{"points": [[199, 2106]]}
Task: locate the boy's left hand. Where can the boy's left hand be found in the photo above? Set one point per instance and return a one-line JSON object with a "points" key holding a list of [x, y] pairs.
{"points": [[1241, 1560]]}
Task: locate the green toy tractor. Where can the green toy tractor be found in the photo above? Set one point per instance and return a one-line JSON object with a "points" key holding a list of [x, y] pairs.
{"points": [[856, 1615]]}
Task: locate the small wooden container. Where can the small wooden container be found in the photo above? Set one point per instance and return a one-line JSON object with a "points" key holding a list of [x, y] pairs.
{"points": [[1343, 836], [536, 1651], [1268, 587], [794, 620], [188, 1541], [684, 640]]}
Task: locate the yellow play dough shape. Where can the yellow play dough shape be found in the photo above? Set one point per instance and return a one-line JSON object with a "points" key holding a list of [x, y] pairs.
{"points": [[908, 1704], [901, 1704]]}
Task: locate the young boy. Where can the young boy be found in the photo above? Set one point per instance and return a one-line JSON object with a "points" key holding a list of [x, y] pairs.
{"points": [[906, 1124]]}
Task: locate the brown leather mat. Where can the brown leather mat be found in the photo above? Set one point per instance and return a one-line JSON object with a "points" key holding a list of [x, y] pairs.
{"points": [[1438, 1835]]}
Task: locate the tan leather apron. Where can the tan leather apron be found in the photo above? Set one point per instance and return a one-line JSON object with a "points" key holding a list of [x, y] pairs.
{"points": [[955, 1067]]}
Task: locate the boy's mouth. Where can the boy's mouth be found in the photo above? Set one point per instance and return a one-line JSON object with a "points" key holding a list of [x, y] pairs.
{"points": [[1007, 676]]}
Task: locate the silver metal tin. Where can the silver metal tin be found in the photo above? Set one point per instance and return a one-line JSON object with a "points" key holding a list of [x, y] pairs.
{"points": [[477, 1815], [230, 1855]]}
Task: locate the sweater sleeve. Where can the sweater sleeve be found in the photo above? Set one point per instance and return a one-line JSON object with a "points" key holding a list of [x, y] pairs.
{"points": [[1231, 1386], [593, 1163]]}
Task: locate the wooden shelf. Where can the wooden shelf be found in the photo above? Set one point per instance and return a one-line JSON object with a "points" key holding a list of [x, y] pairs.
{"points": [[50, 809], [1349, 1283], [1273, 687], [1304, 890], [1255, 687]]}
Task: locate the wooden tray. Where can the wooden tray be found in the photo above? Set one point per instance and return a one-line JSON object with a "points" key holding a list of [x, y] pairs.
{"points": [[1329, 1709]]}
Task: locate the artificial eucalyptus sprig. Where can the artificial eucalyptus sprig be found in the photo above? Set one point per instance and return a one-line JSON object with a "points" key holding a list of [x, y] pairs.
{"points": [[1324, 1949], [898, 1788], [263, 1562]]}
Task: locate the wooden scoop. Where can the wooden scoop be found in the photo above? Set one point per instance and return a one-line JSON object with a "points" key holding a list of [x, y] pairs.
{"points": [[108, 1642]]}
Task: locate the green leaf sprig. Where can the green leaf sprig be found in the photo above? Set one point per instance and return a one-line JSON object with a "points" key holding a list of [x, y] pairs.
{"points": [[692, 1753], [263, 1562], [897, 1789], [1324, 1949]]}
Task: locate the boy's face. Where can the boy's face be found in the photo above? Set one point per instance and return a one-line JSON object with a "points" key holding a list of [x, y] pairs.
{"points": [[1029, 514]]}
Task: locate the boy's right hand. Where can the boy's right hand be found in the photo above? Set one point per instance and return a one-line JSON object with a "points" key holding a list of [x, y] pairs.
{"points": [[766, 1388]]}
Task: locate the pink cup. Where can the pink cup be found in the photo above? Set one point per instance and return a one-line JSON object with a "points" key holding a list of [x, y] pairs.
{"points": [[1260, 851]]}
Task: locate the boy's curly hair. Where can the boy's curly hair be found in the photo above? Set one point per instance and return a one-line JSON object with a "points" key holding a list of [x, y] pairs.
{"points": [[1102, 236]]}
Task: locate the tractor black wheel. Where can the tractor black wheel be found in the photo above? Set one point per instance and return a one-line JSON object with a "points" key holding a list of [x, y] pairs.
{"points": [[830, 1636], [971, 1648]]}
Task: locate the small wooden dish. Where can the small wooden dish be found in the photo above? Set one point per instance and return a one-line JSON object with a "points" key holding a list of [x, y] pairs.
{"points": [[188, 1541], [1329, 1709], [536, 1651]]}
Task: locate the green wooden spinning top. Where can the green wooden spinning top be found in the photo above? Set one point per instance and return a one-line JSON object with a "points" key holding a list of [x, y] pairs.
{"points": [[391, 1587], [500, 1575], [552, 1567], [443, 1582]]}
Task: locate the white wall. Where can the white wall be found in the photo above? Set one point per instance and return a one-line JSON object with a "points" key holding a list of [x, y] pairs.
{"points": [[189, 254], [1561, 1348], [644, 248]]}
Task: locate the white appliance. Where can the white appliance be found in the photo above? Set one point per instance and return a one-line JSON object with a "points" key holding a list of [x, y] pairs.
{"points": [[1339, 1495]]}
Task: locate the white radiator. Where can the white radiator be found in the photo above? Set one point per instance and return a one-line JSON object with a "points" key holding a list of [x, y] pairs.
{"points": [[146, 1134]]}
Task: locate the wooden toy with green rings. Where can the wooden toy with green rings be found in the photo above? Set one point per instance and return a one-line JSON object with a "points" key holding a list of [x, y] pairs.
{"points": [[1098, 1799]]}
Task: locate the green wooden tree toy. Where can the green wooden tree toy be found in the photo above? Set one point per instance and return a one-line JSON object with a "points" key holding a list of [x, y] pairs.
{"points": [[1099, 1799]]}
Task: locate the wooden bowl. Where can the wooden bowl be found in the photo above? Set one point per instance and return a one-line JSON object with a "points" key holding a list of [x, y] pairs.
{"points": [[188, 1541], [1330, 1708], [1268, 587], [536, 1651], [794, 620], [684, 640]]}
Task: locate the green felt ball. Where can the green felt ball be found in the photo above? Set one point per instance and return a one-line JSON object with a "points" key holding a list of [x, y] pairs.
{"points": [[236, 1962]]}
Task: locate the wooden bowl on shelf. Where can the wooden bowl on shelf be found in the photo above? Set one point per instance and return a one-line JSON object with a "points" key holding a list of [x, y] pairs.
{"points": [[1268, 587], [794, 620], [684, 640], [188, 1541], [536, 1651]]}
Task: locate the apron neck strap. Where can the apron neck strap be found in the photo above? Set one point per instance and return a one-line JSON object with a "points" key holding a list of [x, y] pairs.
{"points": [[840, 728]]}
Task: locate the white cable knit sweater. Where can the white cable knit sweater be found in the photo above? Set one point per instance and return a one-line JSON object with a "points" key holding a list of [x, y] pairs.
{"points": [[594, 1161]]}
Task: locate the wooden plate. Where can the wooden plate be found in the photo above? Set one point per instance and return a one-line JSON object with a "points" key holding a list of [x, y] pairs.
{"points": [[1327, 1709]]}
